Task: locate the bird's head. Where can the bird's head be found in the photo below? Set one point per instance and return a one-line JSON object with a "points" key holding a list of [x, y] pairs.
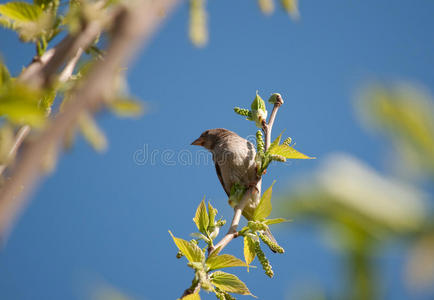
{"points": [[210, 137]]}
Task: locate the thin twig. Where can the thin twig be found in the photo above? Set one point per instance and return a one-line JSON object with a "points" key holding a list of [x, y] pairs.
{"points": [[194, 288], [131, 27], [19, 138]]}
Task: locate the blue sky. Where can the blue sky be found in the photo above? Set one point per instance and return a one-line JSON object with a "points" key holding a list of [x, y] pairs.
{"points": [[105, 218]]}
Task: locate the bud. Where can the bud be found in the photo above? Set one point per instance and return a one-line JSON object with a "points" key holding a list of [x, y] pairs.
{"points": [[287, 141], [220, 223], [275, 98], [259, 112], [256, 226], [273, 246], [204, 281]]}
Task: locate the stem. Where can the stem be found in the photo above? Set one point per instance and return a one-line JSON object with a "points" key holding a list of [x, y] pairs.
{"points": [[194, 288]]}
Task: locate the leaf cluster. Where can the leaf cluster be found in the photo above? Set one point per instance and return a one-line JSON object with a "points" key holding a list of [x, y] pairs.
{"points": [[22, 104], [278, 151], [207, 268]]}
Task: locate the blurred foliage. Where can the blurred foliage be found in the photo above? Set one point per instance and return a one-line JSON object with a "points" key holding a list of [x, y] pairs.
{"points": [[404, 113], [198, 27], [361, 210], [23, 105]]}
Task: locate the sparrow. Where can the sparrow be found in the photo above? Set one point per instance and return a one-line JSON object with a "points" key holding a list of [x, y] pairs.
{"points": [[234, 159]]}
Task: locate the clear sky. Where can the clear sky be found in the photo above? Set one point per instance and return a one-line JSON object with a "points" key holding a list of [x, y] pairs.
{"points": [[105, 217]]}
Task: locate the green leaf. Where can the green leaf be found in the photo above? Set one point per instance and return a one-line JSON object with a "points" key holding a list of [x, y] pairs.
{"points": [[258, 103], [191, 297], [276, 142], [4, 74], [212, 213], [201, 217], [275, 221], [249, 250], [191, 251], [19, 104], [288, 152], [21, 11], [229, 283], [92, 133], [264, 207], [224, 261], [126, 107]]}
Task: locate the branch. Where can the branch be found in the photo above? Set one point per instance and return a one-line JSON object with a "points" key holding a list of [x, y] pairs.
{"points": [[24, 131], [233, 230], [131, 27]]}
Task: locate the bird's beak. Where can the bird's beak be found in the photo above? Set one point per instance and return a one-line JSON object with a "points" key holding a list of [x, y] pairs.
{"points": [[198, 142]]}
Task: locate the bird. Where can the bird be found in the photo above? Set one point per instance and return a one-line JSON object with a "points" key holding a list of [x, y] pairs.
{"points": [[234, 159]]}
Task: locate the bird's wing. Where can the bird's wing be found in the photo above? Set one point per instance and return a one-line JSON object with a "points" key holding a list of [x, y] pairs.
{"points": [[219, 175]]}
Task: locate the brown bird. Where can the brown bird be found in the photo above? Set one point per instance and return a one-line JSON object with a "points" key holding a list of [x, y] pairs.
{"points": [[234, 159]]}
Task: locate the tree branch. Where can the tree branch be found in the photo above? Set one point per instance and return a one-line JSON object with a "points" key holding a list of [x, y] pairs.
{"points": [[132, 26], [24, 131]]}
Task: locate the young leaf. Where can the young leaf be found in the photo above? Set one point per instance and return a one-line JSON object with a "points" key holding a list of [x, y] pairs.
{"points": [[194, 296], [19, 104], [249, 250], [224, 261], [288, 152], [291, 7], [126, 107], [212, 213], [275, 221], [201, 217], [264, 207], [20, 11], [229, 283], [276, 142], [266, 6], [92, 133], [191, 251], [4, 74]]}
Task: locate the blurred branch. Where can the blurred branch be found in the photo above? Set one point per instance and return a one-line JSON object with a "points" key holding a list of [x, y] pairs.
{"points": [[64, 76], [131, 27]]}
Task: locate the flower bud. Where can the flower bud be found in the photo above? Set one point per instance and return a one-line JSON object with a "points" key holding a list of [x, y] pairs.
{"points": [[287, 141], [275, 98], [259, 112]]}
